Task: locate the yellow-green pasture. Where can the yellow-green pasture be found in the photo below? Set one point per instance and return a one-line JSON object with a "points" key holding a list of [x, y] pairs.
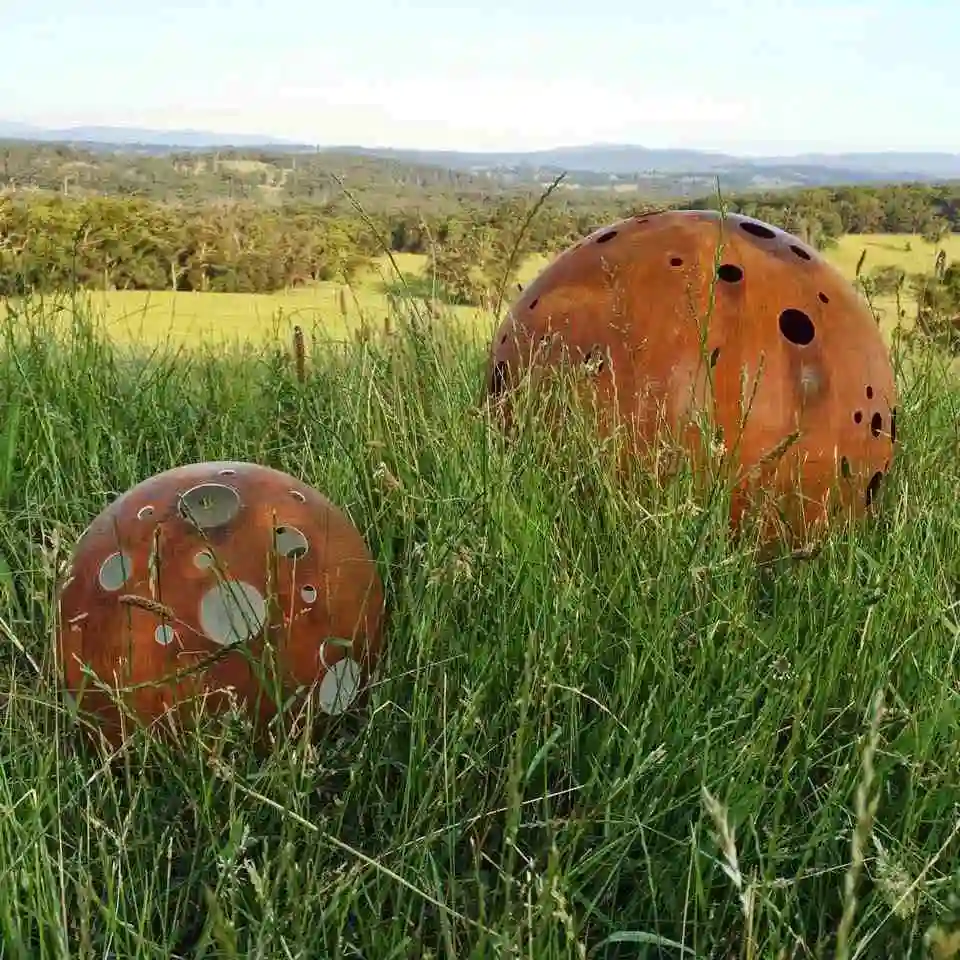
{"points": [[338, 309], [910, 252], [335, 309]]}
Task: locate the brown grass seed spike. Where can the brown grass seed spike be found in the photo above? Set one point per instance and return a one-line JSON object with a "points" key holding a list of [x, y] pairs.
{"points": [[789, 364], [169, 597]]}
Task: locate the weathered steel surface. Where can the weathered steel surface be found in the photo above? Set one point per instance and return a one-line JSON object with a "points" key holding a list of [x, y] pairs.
{"points": [[175, 585], [682, 312]]}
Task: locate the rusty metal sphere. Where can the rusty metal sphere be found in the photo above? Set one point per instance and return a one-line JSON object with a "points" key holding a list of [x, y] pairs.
{"points": [[178, 586], [677, 313]]}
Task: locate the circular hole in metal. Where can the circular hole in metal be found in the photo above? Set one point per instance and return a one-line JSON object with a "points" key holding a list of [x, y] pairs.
{"points": [[676, 261], [845, 468], [308, 593], [823, 298], [858, 416], [115, 571], [757, 229], [869, 392], [533, 303], [714, 356], [796, 327], [594, 360], [873, 487], [204, 560], [606, 237], [876, 424], [297, 495], [232, 611], [339, 686], [164, 634], [800, 252], [145, 512], [228, 472], [291, 543], [209, 505], [729, 273]]}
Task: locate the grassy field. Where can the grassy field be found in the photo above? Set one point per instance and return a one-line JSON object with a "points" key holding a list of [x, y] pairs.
{"points": [[909, 251], [336, 309], [604, 730]]}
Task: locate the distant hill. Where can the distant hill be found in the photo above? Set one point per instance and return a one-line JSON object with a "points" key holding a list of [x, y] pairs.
{"points": [[941, 166], [164, 140], [596, 166], [619, 160]]}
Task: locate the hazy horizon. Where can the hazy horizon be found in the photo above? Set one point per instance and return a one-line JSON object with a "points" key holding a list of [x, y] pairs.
{"points": [[549, 147], [741, 77]]}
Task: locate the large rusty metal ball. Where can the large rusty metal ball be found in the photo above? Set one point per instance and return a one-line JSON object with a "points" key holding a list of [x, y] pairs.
{"points": [[180, 586], [677, 314]]}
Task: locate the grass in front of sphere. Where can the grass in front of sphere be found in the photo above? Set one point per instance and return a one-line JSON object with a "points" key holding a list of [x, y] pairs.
{"points": [[602, 729]]}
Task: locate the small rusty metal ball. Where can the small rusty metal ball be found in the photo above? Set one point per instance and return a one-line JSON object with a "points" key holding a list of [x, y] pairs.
{"points": [[178, 585], [680, 313]]}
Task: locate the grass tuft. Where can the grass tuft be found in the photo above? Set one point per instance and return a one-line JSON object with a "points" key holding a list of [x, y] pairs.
{"points": [[602, 730]]}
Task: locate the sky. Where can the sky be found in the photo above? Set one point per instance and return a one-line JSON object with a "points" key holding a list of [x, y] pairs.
{"points": [[745, 76]]}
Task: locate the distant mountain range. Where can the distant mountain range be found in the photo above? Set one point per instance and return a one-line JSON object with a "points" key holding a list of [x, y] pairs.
{"points": [[161, 140], [588, 166], [623, 159]]}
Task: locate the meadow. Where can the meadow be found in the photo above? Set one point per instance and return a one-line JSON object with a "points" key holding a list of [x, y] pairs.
{"points": [[604, 728], [337, 309]]}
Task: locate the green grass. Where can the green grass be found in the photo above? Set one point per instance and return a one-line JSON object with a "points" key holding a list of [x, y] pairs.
{"points": [[329, 308], [910, 252], [890, 249], [337, 309], [604, 729]]}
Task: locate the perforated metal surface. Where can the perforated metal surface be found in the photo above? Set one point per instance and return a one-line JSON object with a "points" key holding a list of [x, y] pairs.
{"points": [[684, 311], [175, 585]]}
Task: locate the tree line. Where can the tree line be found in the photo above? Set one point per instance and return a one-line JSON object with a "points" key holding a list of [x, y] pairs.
{"points": [[53, 242], [821, 215], [49, 242], [273, 176], [229, 176]]}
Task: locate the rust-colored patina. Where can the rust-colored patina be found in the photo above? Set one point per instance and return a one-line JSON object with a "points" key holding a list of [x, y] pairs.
{"points": [[178, 586], [681, 313]]}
